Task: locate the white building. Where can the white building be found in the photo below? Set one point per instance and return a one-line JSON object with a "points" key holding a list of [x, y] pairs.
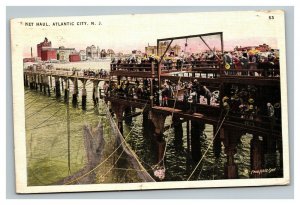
{"points": [[82, 54]]}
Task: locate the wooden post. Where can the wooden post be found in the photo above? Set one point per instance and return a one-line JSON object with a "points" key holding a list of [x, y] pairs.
{"points": [[217, 146], [158, 121], [57, 87], [44, 83], [270, 155], [178, 132], [96, 93], [197, 129], [128, 118], [256, 157], [188, 136], [118, 109], [84, 93], [230, 141], [50, 76], [36, 81], [75, 92], [40, 82]]}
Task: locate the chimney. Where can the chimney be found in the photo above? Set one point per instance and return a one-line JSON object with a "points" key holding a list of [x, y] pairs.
{"points": [[31, 52]]}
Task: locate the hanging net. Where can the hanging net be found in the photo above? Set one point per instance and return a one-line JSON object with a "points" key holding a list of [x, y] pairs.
{"points": [[131, 157]]}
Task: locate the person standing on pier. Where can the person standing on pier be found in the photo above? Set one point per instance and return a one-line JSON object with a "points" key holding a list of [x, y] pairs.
{"points": [[160, 98]]}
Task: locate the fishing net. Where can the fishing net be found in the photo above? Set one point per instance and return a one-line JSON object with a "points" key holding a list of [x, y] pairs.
{"points": [[94, 145], [131, 157]]}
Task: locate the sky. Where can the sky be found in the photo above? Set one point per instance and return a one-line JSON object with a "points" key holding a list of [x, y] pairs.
{"points": [[124, 33]]}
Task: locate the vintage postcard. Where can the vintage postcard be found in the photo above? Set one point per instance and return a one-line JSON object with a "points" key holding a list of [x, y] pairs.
{"points": [[150, 101]]}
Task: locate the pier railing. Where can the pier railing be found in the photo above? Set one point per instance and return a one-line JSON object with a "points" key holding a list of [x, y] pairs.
{"points": [[144, 67], [63, 73], [265, 73]]}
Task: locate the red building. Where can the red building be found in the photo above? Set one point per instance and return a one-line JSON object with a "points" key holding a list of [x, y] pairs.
{"points": [[48, 54], [42, 45], [74, 57]]}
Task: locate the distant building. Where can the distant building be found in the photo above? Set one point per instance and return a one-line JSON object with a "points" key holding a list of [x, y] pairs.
{"points": [[119, 55], [103, 53], [173, 50], [43, 45], [48, 54], [82, 55], [110, 53], [64, 53], [262, 48], [151, 50], [74, 57], [92, 52]]}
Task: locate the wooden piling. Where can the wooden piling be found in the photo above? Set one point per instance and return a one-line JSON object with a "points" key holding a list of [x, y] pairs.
{"points": [[75, 92], [66, 95], [57, 87], [188, 137], [256, 157], [83, 94], [217, 146], [96, 93], [197, 129], [128, 118], [231, 140], [178, 132]]}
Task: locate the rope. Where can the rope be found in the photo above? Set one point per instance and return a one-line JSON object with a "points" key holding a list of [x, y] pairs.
{"points": [[124, 140], [112, 167], [32, 114], [47, 119], [96, 167], [31, 103], [208, 146]]}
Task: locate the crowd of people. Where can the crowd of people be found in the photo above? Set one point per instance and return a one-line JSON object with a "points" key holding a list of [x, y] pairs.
{"points": [[100, 73], [139, 90], [189, 92], [246, 104], [257, 63], [186, 92]]}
